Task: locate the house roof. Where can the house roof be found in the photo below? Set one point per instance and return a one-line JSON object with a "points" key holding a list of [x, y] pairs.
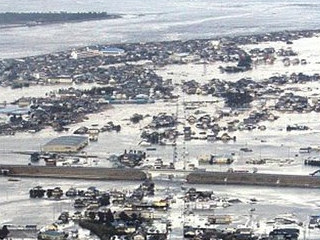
{"points": [[68, 141]]}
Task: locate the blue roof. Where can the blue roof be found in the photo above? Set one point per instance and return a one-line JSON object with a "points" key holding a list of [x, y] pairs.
{"points": [[54, 233], [112, 49]]}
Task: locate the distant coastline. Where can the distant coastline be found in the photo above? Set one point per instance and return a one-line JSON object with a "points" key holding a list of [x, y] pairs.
{"points": [[30, 19]]}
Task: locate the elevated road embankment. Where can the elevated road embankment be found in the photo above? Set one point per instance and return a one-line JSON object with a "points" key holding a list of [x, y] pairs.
{"points": [[258, 179], [93, 173], [89, 173]]}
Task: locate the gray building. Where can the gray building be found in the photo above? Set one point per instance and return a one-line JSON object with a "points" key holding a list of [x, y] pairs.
{"points": [[66, 144]]}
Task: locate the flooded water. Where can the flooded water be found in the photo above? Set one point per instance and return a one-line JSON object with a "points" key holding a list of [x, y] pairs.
{"points": [[17, 208], [152, 20], [158, 20], [270, 202]]}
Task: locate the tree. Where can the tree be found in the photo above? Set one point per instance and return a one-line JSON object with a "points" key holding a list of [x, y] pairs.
{"points": [[124, 217], [134, 216], [92, 215], [106, 217], [109, 216], [245, 61], [49, 193], [238, 99], [4, 232], [104, 200]]}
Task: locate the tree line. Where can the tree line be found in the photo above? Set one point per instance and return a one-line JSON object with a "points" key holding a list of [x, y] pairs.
{"points": [[51, 17]]}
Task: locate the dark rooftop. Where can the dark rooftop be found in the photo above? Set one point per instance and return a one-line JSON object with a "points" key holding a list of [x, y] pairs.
{"points": [[68, 141]]}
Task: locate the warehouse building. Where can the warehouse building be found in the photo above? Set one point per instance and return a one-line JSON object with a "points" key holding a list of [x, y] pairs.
{"points": [[112, 51], [66, 144]]}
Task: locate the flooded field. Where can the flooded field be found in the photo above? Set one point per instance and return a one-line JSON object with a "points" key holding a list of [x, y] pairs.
{"points": [[156, 21]]}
